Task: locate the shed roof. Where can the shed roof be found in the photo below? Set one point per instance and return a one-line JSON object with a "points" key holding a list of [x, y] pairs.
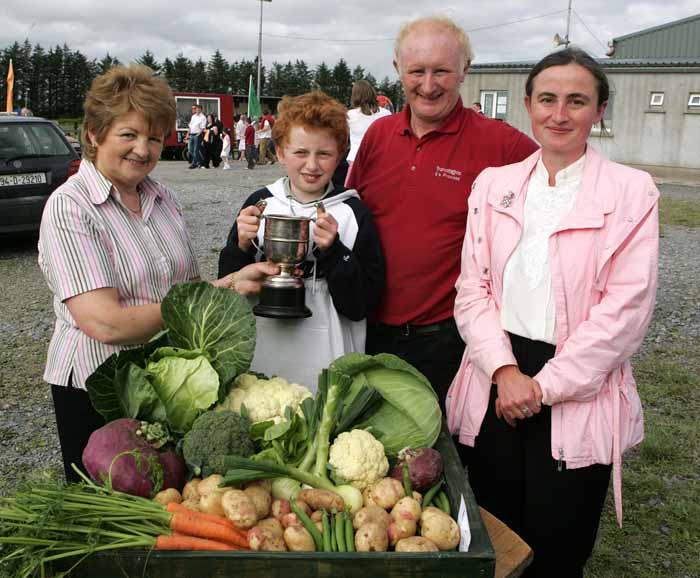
{"points": [[639, 64], [677, 39]]}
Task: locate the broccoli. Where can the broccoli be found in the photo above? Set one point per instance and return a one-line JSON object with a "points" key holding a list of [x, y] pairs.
{"points": [[216, 434]]}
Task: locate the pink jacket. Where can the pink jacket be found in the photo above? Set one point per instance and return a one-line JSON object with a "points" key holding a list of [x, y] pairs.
{"points": [[603, 261]]}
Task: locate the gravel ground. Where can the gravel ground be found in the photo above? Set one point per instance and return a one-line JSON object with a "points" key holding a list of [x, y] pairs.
{"points": [[28, 440]]}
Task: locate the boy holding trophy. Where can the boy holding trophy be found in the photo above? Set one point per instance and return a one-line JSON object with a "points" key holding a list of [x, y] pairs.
{"points": [[342, 267]]}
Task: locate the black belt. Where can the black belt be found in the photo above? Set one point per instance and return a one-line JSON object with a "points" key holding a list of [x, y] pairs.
{"points": [[409, 329]]}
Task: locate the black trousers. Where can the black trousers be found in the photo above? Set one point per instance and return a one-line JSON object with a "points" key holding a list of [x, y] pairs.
{"points": [[515, 477], [435, 350], [76, 419]]}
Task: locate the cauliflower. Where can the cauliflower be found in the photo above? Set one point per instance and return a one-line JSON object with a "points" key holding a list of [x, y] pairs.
{"points": [[357, 458], [265, 399]]}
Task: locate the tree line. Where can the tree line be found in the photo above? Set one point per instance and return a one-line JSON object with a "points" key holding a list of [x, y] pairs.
{"points": [[53, 83]]}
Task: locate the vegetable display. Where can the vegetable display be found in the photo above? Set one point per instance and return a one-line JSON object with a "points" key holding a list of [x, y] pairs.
{"points": [[209, 339]]}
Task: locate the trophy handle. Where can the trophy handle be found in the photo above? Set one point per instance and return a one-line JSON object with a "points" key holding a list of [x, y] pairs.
{"points": [[261, 204]]}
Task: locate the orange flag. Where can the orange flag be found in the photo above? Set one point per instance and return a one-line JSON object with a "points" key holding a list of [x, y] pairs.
{"points": [[10, 86]]}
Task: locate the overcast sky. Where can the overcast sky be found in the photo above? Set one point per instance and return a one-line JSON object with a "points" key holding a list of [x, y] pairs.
{"points": [[360, 31]]}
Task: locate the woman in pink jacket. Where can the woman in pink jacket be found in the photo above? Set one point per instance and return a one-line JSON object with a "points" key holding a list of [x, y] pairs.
{"points": [[556, 292]]}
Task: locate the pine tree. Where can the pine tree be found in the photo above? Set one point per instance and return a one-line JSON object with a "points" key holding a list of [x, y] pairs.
{"points": [[148, 59], [302, 80], [342, 82], [106, 63], [217, 74], [199, 77], [358, 73], [323, 78]]}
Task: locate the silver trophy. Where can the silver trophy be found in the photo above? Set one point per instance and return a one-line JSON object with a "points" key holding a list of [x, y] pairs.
{"points": [[285, 243]]}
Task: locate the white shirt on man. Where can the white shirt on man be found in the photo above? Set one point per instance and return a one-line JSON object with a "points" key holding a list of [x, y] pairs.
{"points": [[527, 307], [198, 123]]}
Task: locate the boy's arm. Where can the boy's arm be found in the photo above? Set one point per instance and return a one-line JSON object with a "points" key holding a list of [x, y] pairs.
{"points": [[231, 257], [355, 277]]}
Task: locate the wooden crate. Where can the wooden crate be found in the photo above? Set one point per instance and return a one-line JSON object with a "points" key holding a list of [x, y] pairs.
{"points": [[479, 561]]}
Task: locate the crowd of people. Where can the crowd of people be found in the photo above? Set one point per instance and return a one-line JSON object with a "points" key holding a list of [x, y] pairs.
{"points": [[518, 275]]}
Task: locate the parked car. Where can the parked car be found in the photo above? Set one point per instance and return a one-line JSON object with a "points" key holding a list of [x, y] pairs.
{"points": [[35, 158]]}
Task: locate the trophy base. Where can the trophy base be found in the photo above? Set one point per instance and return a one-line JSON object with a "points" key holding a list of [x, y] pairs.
{"points": [[282, 303]]}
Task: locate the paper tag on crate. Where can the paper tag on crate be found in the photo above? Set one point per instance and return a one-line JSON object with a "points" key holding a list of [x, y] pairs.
{"points": [[465, 534]]}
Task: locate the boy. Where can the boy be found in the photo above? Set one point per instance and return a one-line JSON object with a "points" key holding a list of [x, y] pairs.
{"points": [[345, 270], [249, 137]]}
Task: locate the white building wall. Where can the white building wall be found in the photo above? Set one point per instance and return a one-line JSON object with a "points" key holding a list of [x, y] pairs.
{"points": [[667, 136]]}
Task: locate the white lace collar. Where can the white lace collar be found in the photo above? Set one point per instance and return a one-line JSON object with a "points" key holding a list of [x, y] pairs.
{"points": [[566, 177]]}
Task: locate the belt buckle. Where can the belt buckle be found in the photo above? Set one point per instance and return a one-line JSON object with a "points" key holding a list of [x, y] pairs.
{"points": [[406, 330]]}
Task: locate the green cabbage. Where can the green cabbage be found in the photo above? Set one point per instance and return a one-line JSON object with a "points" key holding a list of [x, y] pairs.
{"points": [[409, 414]]}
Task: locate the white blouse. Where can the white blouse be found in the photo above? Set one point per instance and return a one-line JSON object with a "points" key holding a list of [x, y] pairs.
{"points": [[527, 307]]}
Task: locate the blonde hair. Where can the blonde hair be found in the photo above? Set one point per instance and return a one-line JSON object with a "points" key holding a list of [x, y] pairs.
{"points": [[440, 22], [119, 91]]}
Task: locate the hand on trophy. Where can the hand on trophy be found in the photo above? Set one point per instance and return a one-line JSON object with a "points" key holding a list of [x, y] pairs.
{"points": [[248, 223], [326, 228]]}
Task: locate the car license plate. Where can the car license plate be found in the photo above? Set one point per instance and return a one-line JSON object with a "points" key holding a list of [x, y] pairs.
{"points": [[22, 179]]}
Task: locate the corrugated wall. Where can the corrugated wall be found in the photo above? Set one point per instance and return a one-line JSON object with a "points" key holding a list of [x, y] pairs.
{"points": [[681, 40]]}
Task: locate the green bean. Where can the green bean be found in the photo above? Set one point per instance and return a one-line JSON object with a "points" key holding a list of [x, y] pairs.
{"points": [[309, 525], [407, 481], [430, 494], [443, 502], [334, 539], [349, 534], [340, 531], [325, 523]]}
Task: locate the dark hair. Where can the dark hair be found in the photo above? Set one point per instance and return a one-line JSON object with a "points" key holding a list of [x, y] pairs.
{"points": [[364, 97], [572, 55]]}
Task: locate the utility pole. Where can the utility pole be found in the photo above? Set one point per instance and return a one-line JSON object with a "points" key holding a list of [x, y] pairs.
{"points": [[260, 46], [568, 26]]}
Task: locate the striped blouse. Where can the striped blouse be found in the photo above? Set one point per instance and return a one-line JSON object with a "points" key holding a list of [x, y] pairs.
{"points": [[89, 240]]}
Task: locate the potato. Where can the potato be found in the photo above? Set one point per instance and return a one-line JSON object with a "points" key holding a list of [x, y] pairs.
{"points": [[165, 497], [386, 492], [211, 504], [371, 514], [273, 525], [439, 528], [192, 504], [316, 516], [371, 537], [261, 498], [366, 497], [415, 544], [406, 509], [263, 539], [322, 499], [239, 508], [298, 539], [303, 506], [291, 520], [279, 508], [400, 529], [418, 497], [191, 489], [212, 484], [264, 484]]}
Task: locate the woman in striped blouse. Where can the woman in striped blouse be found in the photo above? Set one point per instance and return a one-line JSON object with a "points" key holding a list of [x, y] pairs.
{"points": [[112, 243]]}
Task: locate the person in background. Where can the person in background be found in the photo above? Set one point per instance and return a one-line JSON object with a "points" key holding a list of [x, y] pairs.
{"points": [[240, 135], [363, 113], [226, 148], [264, 134], [249, 139], [345, 270], [198, 122], [112, 242], [414, 170], [26, 112], [556, 291], [476, 107], [211, 141], [384, 102]]}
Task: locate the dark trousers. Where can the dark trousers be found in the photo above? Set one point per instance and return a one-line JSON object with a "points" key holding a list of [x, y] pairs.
{"points": [[515, 477], [435, 350], [251, 155], [76, 419]]}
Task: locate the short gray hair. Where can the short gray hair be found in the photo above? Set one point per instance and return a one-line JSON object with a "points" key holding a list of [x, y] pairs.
{"points": [[442, 22]]}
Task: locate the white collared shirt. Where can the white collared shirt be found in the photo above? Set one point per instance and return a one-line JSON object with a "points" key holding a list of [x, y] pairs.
{"points": [[198, 123], [527, 307]]}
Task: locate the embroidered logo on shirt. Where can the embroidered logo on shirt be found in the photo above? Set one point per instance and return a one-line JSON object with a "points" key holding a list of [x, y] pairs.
{"points": [[452, 174]]}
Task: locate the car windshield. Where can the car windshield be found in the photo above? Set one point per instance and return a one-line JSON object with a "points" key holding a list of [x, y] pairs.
{"points": [[31, 139]]}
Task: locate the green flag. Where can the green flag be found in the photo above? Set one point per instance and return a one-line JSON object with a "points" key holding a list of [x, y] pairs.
{"points": [[253, 102]]}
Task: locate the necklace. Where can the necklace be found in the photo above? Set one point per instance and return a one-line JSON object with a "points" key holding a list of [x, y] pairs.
{"points": [[137, 210]]}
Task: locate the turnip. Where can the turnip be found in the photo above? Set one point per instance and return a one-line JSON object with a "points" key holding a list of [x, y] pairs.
{"points": [[137, 466], [424, 466]]}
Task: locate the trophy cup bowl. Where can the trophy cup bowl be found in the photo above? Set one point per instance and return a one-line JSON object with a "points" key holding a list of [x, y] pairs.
{"points": [[285, 243]]}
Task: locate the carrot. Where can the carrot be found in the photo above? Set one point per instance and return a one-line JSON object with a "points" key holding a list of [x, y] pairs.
{"points": [[180, 542], [193, 525], [232, 546], [174, 508]]}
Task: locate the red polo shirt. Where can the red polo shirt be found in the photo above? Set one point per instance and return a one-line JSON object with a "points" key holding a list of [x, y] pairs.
{"points": [[417, 190]]}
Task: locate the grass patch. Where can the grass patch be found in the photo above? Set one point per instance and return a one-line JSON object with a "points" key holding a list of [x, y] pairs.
{"points": [[684, 212], [660, 536]]}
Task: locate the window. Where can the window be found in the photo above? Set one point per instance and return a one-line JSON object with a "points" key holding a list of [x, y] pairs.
{"points": [[694, 100], [494, 103], [657, 99]]}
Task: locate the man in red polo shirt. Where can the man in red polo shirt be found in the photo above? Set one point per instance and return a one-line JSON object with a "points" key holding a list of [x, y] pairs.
{"points": [[415, 170]]}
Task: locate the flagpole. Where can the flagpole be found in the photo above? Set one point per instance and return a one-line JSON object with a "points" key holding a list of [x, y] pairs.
{"points": [[250, 93]]}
